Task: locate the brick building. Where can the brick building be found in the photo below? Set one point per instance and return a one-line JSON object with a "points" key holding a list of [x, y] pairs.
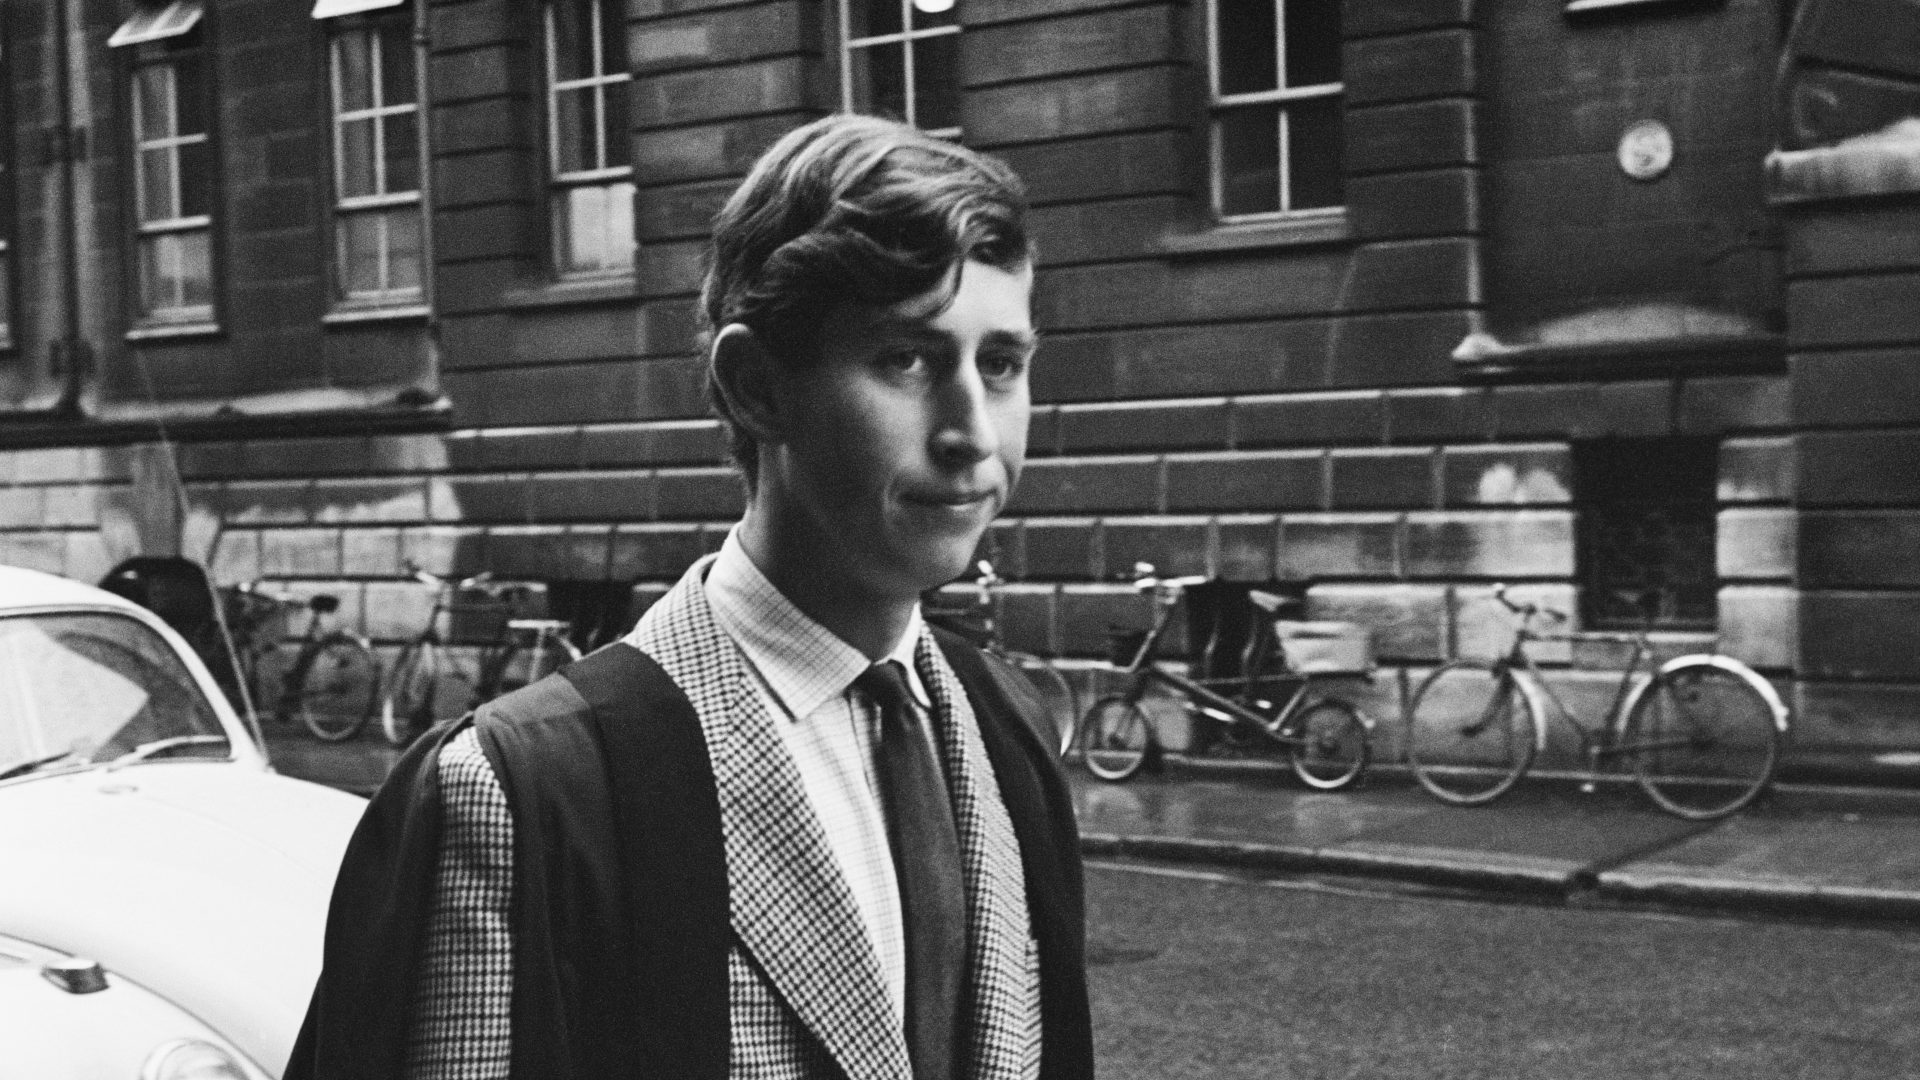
{"points": [[1615, 299]]}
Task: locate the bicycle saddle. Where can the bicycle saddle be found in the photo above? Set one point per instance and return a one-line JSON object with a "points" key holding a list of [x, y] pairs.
{"points": [[538, 624], [324, 604], [1271, 603]]}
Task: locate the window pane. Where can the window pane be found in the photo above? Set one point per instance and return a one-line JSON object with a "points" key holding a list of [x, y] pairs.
{"points": [[352, 72], [360, 243], [573, 138], [191, 100], [936, 82], [572, 39], [356, 158], [613, 37], [175, 272], [403, 249], [196, 179], [594, 228], [869, 17], [619, 127], [396, 62], [156, 185], [153, 101], [402, 148], [879, 80], [1313, 153], [6, 299], [1249, 160], [929, 13], [1313, 42], [1246, 33]]}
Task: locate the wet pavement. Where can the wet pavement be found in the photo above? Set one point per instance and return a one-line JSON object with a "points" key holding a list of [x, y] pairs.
{"points": [[1812, 850]]}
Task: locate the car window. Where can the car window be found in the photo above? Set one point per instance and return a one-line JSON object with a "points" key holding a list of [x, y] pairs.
{"points": [[95, 686]]}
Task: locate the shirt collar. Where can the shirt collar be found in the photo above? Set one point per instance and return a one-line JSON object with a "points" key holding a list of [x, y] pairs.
{"points": [[804, 664]]}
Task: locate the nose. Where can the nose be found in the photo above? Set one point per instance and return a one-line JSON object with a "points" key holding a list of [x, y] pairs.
{"points": [[964, 431]]}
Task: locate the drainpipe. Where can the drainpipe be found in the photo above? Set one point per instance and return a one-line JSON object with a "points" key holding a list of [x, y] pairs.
{"points": [[70, 356], [429, 265]]}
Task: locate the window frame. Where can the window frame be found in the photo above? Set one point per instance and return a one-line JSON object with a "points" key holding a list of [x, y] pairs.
{"points": [[906, 37], [9, 205], [191, 45], [343, 303], [1282, 96], [561, 182]]}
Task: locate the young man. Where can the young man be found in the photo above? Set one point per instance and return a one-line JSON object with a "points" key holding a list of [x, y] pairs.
{"points": [[782, 830]]}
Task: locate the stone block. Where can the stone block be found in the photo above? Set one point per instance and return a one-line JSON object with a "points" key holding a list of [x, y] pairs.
{"points": [[1247, 480], [1436, 202], [1143, 425], [1393, 350], [709, 151], [351, 614], [444, 550], [549, 552], [1756, 543], [479, 498], [48, 465], [1734, 403], [87, 557], [1860, 635], [1108, 102], [1389, 478], [1490, 544], [741, 33], [1409, 623], [1834, 312], [1756, 470], [1058, 549], [292, 553], [1025, 613], [1312, 419], [1839, 468], [370, 552], [1483, 629], [1246, 547], [1379, 17], [1858, 238], [1440, 63], [1507, 474], [42, 551], [1405, 138], [1085, 485], [1760, 625], [658, 552], [1855, 387], [22, 506], [710, 494], [662, 442], [1174, 545], [1859, 549], [1316, 546], [1584, 410], [703, 95], [679, 212], [1084, 615], [398, 499], [235, 556], [1870, 717], [625, 495], [1043, 431], [572, 335], [519, 450], [1099, 40], [1108, 167], [1109, 231]]}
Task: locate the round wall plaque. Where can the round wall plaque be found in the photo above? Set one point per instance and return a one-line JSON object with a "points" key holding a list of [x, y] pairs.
{"points": [[1646, 150]]}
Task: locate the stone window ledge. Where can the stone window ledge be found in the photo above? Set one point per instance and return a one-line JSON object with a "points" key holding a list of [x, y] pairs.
{"points": [[1289, 232], [1860, 169]]}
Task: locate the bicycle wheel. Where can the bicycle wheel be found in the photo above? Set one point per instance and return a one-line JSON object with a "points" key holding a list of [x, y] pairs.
{"points": [[1114, 738], [267, 683], [1062, 704], [1333, 751], [1702, 740], [1470, 733], [334, 692]]}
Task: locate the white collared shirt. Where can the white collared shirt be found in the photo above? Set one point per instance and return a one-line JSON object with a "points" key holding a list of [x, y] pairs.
{"points": [[806, 673]]}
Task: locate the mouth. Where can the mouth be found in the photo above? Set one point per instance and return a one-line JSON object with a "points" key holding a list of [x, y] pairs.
{"points": [[955, 501]]}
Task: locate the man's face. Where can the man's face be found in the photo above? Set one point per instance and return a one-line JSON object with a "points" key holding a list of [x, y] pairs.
{"points": [[904, 441]]}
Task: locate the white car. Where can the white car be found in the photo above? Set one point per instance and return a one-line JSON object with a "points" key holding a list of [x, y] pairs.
{"points": [[162, 892]]}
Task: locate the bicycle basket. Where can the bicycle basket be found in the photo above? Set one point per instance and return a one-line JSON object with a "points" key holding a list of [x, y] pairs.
{"points": [[1325, 648], [1124, 645], [256, 616], [479, 616]]}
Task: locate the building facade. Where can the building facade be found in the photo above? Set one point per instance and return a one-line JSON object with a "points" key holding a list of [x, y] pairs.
{"points": [[1614, 301]]}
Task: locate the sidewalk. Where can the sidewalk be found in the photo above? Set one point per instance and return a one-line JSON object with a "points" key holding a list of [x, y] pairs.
{"points": [[1804, 850], [1826, 851]]}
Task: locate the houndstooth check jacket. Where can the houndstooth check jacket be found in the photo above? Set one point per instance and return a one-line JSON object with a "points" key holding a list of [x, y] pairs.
{"points": [[804, 994]]}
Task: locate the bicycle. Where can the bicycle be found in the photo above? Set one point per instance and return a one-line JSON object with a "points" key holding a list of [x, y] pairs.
{"points": [[979, 625], [1326, 738], [1701, 734], [331, 684], [429, 685]]}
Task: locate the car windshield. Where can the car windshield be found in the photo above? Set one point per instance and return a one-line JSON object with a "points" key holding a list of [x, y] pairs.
{"points": [[90, 687]]}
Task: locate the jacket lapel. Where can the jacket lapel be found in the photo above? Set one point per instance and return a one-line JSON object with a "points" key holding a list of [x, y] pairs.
{"points": [[790, 905]]}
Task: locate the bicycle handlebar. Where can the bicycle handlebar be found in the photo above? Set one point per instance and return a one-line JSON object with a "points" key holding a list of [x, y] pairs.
{"points": [[1527, 610], [1145, 580], [428, 577]]}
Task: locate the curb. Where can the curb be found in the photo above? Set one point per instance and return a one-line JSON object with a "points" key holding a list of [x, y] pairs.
{"points": [[1457, 873]]}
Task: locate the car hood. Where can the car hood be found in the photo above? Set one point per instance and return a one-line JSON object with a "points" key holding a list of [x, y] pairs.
{"points": [[206, 883]]}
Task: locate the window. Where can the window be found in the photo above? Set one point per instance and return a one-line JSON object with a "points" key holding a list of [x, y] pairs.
{"points": [[1275, 118], [900, 58], [6, 200], [589, 151], [173, 162], [1644, 538], [378, 254]]}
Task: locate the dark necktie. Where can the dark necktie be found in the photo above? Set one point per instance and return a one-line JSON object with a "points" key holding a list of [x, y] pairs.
{"points": [[926, 860]]}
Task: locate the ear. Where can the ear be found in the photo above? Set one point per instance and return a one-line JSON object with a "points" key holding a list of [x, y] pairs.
{"points": [[746, 375]]}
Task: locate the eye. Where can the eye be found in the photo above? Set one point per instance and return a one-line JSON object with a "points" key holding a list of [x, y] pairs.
{"points": [[1002, 366], [905, 360]]}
